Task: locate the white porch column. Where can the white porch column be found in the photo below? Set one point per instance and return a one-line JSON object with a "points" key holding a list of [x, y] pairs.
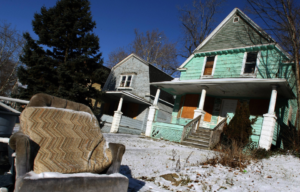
{"points": [[202, 99], [156, 97], [151, 114], [200, 110], [150, 120], [267, 130], [117, 117]]}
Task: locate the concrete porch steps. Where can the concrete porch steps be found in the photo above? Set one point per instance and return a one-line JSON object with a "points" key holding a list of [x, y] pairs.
{"points": [[199, 139]]}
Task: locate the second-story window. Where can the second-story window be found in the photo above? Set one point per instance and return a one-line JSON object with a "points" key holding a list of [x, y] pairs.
{"points": [[250, 64], [209, 65], [125, 81]]}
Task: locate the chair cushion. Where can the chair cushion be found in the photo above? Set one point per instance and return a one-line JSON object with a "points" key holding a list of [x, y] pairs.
{"points": [[70, 141]]}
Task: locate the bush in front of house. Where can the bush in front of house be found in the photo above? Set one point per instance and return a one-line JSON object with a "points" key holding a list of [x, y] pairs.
{"points": [[239, 128]]}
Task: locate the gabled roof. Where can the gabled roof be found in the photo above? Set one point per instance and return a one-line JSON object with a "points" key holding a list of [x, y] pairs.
{"points": [[258, 29], [127, 58], [138, 58], [245, 17]]}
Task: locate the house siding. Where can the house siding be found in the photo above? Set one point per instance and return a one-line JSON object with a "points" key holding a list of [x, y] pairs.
{"points": [[233, 35], [143, 73], [194, 69], [140, 81], [229, 44], [229, 65]]}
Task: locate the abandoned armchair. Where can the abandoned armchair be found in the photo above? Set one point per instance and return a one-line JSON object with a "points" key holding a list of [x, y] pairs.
{"points": [[60, 148]]}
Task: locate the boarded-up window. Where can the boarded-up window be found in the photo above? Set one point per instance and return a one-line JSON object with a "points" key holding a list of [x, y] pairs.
{"points": [[208, 108], [259, 106], [209, 65], [190, 104]]}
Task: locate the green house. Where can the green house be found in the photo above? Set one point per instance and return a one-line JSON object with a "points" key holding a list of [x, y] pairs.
{"points": [[238, 61]]}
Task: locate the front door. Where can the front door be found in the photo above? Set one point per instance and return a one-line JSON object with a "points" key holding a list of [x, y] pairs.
{"points": [[228, 106]]}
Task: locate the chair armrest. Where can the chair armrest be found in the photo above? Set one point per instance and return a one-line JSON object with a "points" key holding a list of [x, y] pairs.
{"points": [[117, 151], [23, 147]]}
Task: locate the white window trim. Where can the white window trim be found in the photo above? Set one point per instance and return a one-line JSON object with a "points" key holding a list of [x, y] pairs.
{"points": [[244, 62], [214, 67], [256, 67], [119, 87], [213, 70], [203, 66]]}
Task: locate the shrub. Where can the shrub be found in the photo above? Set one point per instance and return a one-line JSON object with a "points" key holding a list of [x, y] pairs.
{"points": [[232, 156], [239, 128]]}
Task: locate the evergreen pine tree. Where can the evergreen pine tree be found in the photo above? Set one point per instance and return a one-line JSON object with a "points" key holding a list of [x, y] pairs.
{"points": [[71, 63], [239, 128]]}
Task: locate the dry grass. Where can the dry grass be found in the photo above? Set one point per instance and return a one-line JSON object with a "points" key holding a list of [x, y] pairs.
{"points": [[232, 156]]}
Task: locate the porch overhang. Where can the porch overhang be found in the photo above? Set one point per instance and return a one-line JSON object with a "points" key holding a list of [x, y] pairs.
{"points": [[229, 87], [127, 97]]}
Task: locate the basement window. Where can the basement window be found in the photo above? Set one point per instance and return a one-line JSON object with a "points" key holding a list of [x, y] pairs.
{"points": [[250, 64], [209, 65]]}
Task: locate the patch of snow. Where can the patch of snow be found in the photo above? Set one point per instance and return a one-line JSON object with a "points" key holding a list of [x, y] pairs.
{"points": [[33, 176], [145, 160]]}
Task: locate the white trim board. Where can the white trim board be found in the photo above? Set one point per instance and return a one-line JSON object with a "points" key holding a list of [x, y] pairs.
{"points": [[220, 81]]}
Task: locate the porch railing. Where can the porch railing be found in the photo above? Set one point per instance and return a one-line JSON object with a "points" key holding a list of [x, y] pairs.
{"points": [[215, 134], [190, 127], [10, 101]]}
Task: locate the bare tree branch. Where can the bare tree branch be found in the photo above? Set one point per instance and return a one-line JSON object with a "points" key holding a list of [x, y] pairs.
{"points": [[197, 23], [11, 43], [154, 47], [116, 56], [282, 17]]}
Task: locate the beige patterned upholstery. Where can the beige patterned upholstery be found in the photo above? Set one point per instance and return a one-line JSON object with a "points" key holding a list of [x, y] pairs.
{"points": [[70, 141]]}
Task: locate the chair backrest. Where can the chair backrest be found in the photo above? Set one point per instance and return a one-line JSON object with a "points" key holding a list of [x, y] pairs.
{"points": [[68, 136], [45, 100]]}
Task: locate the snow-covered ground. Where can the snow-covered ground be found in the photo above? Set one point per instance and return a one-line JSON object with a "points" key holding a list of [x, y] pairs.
{"points": [[149, 166]]}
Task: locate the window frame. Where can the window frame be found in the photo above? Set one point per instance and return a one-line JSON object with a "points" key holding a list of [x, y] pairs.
{"points": [[126, 79], [236, 17], [213, 69], [258, 57]]}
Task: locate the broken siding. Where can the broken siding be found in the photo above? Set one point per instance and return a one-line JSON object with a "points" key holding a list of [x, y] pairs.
{"points": [[232, 35]]}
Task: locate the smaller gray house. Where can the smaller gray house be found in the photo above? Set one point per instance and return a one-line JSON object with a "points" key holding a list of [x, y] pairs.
{"points": [[129, 96]]}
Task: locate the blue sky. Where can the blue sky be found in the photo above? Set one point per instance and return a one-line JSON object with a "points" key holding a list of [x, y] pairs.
{"points": [[115, 19]]}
